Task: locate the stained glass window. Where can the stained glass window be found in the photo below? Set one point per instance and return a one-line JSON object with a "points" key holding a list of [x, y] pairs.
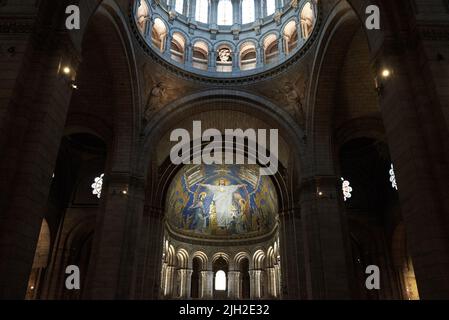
{"points": [[97, 186], [394, 185], [346, 188]]}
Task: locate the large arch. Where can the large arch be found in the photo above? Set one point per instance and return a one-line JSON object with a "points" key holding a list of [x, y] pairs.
{"points": [[114, 112]]}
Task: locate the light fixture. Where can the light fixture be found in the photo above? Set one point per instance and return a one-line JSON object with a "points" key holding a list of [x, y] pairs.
{"points": [[32, 288], [386, 73], [125, 192], [320, 193], [66, 70], [74, 86]]}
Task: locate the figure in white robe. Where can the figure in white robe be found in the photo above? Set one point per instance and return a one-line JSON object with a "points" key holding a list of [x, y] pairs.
{"points": [[223, 196]]}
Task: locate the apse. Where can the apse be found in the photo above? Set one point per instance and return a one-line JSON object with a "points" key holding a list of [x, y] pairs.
{"points": [[221, 201], [221, 234]]}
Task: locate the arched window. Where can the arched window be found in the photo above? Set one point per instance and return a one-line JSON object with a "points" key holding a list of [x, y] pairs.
{"points": [[307, 20], [290, 37], [224, 13], [200, 55], [220, 280], [177, 48], [248, 11], [271, 48], [202, 11], [142, 15], [179, 6], [158, 34], [271, 7], [248, 56]]}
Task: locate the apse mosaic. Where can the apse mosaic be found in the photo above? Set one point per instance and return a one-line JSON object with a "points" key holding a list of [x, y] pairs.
{"points": [[222, 200]]}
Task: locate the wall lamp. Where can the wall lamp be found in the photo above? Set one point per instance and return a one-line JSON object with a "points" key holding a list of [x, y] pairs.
{"points": [[383, 76]]}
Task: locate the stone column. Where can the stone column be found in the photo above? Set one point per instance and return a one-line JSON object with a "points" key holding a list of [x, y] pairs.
{"points": [[33, 110], [237, 12], [260, 56], [148, 271], [281, 47], [184, 279], [163, 277], [279, 5], [212, 60], [258, 6], [324, 242], [207, 284], [278, 281], [191, 9], [255, 285], [235, 61], [188, 286], [213, 12], [415, 126], [185, 8], [271, 290], [233, 284], [116, 239], [167, 45], [286, 40], [188, 54], [292, 253]]}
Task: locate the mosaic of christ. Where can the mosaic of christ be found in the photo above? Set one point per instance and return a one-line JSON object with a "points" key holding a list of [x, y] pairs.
{"points": [[222, 200]]}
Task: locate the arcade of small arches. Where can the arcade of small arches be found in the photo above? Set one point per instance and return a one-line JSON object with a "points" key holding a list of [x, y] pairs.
{"points": [[253, 38], [204, 272]]}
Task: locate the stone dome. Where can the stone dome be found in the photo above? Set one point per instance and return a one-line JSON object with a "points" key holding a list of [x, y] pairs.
{"points": [[225, 39]]}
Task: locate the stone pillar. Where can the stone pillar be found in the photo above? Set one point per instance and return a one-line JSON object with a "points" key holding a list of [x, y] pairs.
{"points": [[148, 274], [185, 280], [191, 9], [258, 6], [163, 278], [116, 237], [170, 275], [281, 47], [260, 56], [185, 8], [188, 286], [286, 40], [212, 60], [235, 61], [167, 45], [33, 109], [264, 8], [233, 284], [188, 52], [279, 4], [207, 284], [236, 12], [324, 242], [277, 275], [255, 285], [213, 12], [291, 251], [415, 127], [271, 290]]}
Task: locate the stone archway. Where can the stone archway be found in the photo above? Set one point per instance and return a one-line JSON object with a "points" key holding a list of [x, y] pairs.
{"points": [[160, 172]]}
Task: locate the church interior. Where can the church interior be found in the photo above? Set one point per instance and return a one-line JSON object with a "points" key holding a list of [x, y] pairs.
{"points": [[87, 117]]}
